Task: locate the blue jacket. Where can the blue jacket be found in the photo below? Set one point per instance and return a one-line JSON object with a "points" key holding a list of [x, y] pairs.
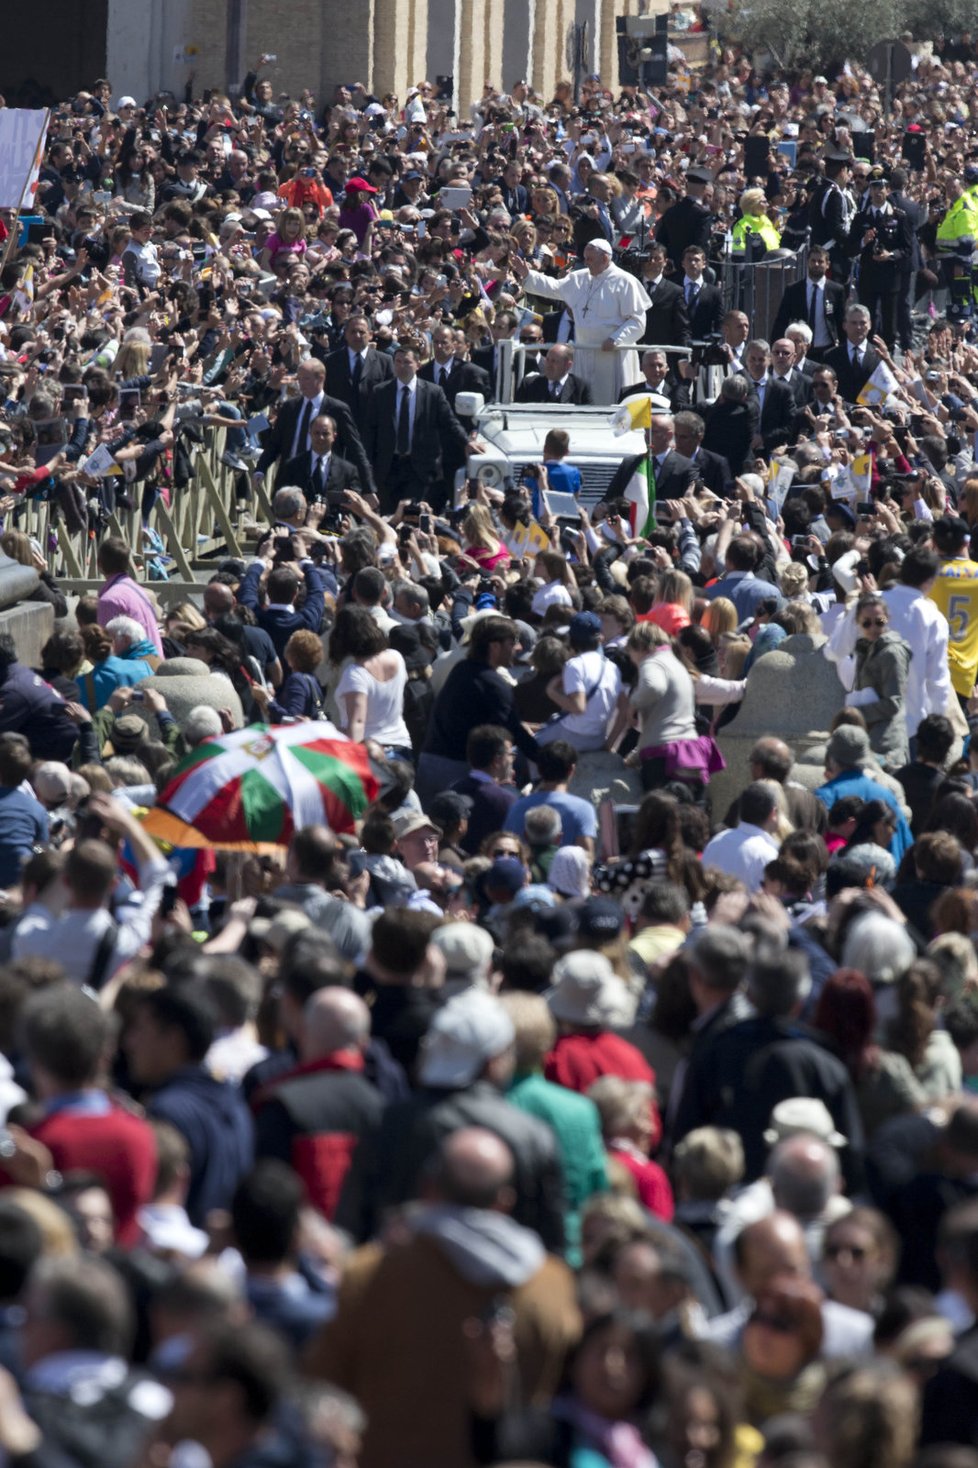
{"points": [[216, 1123], [31, 707], [745, 590], [97, 687], [276, 621], [858, 783]]}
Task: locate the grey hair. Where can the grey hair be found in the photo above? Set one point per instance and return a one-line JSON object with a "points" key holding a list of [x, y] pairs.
{"points": [[857, 310], [414, 593], [201, 723], [734, 388], [802, 329], [288, 502], [126, 627], [759, 345]]}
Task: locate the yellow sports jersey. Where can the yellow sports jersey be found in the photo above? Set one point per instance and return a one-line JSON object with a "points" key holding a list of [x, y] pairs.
{"points": [[956, 593]]}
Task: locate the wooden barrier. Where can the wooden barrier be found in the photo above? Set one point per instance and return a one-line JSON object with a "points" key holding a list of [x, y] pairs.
{"points": [[204, 521]]}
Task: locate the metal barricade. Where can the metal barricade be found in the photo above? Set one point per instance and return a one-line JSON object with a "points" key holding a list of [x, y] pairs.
{"points": [[756, 289]]}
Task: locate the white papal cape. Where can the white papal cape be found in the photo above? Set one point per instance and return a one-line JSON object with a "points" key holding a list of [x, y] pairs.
{"points": [[612, 304]]}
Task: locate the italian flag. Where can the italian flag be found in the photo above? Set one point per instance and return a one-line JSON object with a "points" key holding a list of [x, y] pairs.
{"points": [[637, 413], [640, 494]]}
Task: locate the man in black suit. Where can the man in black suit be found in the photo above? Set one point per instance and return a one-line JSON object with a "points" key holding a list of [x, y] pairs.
{"points": [[775, 401], [689, 221], [515, 196], [816, 300], [289, 437], [555, 382], [853, 361], [830, 212], [784, 370], [657, 378], [319, 469], [504, 325], [666, 321], [356, 368], [731, 422], [674, 474], [452, 373], [703, 301], [409, 429], [712, 469]]}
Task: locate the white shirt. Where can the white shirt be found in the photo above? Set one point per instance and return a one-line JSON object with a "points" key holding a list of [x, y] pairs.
{"points": [[442, 370], [581, 673], [554, 594], [742, 853], [354, 357]]}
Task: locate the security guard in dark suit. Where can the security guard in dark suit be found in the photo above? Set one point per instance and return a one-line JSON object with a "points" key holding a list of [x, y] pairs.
{"points": [[688, 222], [882, 238]]}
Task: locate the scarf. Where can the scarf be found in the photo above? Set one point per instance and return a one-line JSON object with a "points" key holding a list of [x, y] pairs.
{"points": [[620, 1442]]}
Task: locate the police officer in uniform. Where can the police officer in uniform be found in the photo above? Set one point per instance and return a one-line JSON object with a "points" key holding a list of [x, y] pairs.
{"points": [[882, 239], [830, 213], [689, 221]]}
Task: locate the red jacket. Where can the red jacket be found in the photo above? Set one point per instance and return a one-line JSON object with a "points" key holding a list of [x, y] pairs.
{"points": [[119, 1147], [580, 1059]]}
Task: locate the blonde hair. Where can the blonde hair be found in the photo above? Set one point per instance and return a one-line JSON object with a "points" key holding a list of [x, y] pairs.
{"points": [[17, 546], [753, 201], [784, 827], [132, 360], [707, 1162], [793, 579], [58, 1239], [187, 613], [646, 637], [676, 589], [736, 650], [620, 1103], [477, 527], [720, 616]]}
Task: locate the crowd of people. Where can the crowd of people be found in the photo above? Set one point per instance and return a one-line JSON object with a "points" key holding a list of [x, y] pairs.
{"points": [[484, 1131]]}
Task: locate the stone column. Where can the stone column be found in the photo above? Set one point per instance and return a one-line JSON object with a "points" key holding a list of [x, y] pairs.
{"points": [[346, 47], [478, 49], [397, 59], [550, 21], [441, 39], [517, 35]]}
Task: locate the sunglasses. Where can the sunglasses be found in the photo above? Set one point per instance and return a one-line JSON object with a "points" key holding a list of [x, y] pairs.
{"points": [[877, 622], [503, 851], [835, 1251]]}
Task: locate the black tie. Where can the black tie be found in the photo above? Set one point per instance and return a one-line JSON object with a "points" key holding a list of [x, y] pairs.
{"points": [[404, 423], [692, 291], [812, 303], [304, 422], [442, 374], [317, 475], [357, 369]]}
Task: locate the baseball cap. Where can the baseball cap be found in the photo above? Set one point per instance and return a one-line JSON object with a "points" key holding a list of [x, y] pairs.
{"points": [[448, 808], [467, 950], [468, 1031], [407, 822], [848, 746], [360, 185], [584, 626]]}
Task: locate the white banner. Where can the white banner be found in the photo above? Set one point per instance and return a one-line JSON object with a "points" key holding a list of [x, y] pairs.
{"points": [[21, 144]]}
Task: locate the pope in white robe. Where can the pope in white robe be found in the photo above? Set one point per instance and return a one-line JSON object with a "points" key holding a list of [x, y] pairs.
{"points": [[608, 306]]}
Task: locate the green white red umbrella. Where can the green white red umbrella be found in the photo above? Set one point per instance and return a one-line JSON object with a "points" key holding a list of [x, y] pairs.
{"points": [[256, 786]]}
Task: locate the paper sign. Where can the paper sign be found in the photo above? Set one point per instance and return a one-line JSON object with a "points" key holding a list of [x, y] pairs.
{"points": [[562, 506], [258, 424], [781, 478], [21, 140], [861, 474], [529, 538], [878, 388], [100, 462]]}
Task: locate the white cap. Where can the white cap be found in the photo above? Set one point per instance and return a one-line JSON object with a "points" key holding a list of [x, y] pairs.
{"points": [[600, 244]]}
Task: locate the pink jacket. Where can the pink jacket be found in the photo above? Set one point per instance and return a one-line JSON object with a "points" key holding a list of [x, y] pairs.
{"points": [[123, 597]]}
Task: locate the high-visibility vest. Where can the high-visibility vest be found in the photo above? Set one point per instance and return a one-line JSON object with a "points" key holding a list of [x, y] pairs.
{"points": [[750, 227], [958, 230]]}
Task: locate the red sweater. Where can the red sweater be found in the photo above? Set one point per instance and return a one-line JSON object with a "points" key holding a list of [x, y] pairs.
{"points": [[119, 1147], [578, 1060], [654, 1191]]}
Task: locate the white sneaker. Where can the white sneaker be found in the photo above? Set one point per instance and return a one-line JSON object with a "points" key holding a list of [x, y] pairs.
{"points": [[232, 460]]}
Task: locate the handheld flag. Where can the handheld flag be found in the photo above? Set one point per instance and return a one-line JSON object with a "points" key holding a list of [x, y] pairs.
{"points": [[634, 413], [640, 493]]}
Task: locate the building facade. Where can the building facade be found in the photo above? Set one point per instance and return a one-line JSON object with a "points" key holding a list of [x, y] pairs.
{"points": [[147, 46]]}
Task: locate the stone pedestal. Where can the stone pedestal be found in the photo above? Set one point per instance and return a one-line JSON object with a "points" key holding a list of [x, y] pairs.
{"points": [[29, 625], [793, 692], [186, 683], [599, 774]]}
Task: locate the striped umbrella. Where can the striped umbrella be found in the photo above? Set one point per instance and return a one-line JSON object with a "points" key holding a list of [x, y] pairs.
{"points": [[256, 786]]}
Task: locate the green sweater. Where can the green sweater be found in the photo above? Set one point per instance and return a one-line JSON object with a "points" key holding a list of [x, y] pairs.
{"points": [[574, 1120]]}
